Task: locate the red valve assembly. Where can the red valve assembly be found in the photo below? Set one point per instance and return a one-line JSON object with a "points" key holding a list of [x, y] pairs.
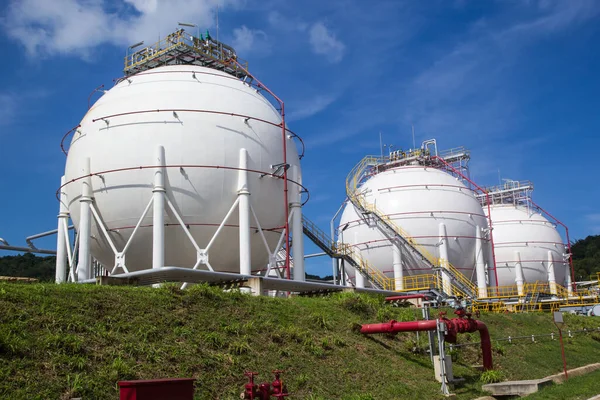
{"points": [[265, 390]]}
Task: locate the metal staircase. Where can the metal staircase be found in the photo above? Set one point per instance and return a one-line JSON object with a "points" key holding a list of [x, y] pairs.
{"points": [[347, 253], [461, 285]]}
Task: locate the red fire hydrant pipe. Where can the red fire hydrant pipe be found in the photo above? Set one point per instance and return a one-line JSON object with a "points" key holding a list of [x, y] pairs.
{"points": [[395, 326], [486, 345], [407, 297], [454, 326]]}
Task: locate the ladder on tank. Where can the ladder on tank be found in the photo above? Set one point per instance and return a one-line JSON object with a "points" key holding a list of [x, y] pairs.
{"points": [[462, 286], [347, 253]]}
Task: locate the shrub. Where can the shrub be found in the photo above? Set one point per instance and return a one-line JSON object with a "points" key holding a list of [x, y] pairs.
{"points": [[491, 376]]}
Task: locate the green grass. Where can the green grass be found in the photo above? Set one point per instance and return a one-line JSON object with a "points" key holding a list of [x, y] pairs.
{"points": [[58, 342], [578, 388]]}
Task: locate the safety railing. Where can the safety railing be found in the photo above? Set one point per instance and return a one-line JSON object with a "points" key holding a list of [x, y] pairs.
{"points": [[414, 283], [206, 47], [363, 169], [347, 252]]}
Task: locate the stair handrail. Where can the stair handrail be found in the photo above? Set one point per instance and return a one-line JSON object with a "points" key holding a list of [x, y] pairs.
{"points": [[348, 251]]}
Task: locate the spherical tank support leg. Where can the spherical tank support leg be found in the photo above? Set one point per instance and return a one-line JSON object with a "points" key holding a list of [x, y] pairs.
{"points": [[244, 214], [158, 215], [519, 274], [297, 232], [84, 266], [61, 240], [397, 264], [480, 264], [551, 275], [359, 279], [446, 281]]}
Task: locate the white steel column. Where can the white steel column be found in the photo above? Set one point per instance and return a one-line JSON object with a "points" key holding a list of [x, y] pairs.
{"points": [[84, 266], [446, 281], [244, 214], [158, 215], [519, 279], [480, 264], [297, 233], [568, 282], [61, 240], [397, 264], [359, 279], [551, 275]]}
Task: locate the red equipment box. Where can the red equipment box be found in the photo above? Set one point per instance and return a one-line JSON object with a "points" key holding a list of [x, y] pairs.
{"points": [[157, 389]]}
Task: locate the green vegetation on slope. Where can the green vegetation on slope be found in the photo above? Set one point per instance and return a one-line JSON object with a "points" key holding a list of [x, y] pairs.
{"points": [[586, 257], [71, 340], [578, 388]]}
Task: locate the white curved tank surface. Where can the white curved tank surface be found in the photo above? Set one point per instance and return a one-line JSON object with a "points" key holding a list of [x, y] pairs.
{"points": [[518, 229], [162, 107], [418, 199]]}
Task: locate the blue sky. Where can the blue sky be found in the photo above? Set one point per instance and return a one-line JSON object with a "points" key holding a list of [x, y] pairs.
{"points": [[515, 81]]}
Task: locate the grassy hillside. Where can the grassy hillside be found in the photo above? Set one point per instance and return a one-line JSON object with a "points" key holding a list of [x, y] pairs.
{"points": [[577, 388], [58, 342]]}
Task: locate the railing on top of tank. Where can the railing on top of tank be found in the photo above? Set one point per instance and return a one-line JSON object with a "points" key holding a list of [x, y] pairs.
{"points": [[207, 47], [453, 152]]}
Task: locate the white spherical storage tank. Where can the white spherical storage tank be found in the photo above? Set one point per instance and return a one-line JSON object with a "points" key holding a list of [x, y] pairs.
{"points": [[518, 229], [213, 128], [418, 199]]}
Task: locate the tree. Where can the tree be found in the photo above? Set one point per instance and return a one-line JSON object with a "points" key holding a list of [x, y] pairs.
{"points": [[586, 257], [29, 266]]}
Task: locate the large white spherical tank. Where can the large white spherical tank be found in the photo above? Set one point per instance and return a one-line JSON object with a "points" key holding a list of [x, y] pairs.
{"points": [[122, 131], [418, 199], [517, 229]]}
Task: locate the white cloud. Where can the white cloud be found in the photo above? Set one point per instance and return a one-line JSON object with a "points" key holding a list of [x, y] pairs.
{"points": [[246, 40], [325, 43], [278, 21], [310, 107], [77, 26]]}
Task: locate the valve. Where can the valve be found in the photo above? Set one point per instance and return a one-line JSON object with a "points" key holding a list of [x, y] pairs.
{"points": [[279, 390], [250, 389], [265, 390]]}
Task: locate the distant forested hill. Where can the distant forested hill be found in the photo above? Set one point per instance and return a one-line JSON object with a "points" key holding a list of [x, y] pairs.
{"points": [[586, 257], [28, 265], [586, 262]]}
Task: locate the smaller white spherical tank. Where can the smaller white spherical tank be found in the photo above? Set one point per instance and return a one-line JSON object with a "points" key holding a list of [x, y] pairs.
{"points": [[418, 199], [519, 229]]}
